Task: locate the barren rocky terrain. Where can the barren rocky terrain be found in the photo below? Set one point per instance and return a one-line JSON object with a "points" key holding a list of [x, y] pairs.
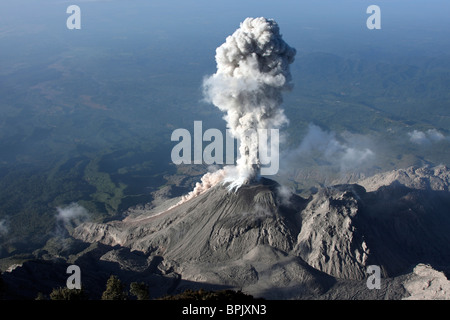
{"points": [[275, 245]]}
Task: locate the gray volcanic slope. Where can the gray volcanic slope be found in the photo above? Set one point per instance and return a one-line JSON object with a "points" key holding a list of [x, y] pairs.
{"points": [[240, 240], [267, 244], [216, 226]]}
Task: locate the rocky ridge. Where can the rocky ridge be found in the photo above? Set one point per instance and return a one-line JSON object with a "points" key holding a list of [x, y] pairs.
{"points": [[278, 246]]}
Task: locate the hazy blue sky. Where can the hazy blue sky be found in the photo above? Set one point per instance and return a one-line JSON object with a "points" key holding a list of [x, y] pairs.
{"points": [[310, 24]]}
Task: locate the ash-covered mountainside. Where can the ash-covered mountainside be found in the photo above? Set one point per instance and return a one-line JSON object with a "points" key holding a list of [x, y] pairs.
{"points": [[241, 238], [215, 226], [237, 239], [277, 245]]}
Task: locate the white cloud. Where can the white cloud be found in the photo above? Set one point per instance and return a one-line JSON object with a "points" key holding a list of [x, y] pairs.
{"points": [[435, 135], [71, 213], [427, 137], [355, 157], [346, 153], [418, 137]]}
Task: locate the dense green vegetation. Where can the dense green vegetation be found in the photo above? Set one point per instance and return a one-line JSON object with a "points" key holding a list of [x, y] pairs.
{"points": [[115, 289], [65, 294], [30, 195]]}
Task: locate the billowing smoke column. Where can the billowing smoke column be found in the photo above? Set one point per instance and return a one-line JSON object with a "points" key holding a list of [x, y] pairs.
{"points": [[252, 72]]}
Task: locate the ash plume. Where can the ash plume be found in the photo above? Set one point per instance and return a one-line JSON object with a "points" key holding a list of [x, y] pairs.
{"points": [[252, 72]]}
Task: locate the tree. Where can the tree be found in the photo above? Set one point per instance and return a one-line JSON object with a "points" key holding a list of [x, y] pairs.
{"points": [[223, 295], [114, 289], [139, 290], [67, 294]]}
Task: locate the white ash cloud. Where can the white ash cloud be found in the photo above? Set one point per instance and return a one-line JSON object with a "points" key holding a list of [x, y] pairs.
{"points": [[252, 72], [426, 137], [345, 154]]}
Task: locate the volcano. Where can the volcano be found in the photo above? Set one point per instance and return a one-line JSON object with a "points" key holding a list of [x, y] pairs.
{"points": [[239, 239], [271, 244], [282, 246]]}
